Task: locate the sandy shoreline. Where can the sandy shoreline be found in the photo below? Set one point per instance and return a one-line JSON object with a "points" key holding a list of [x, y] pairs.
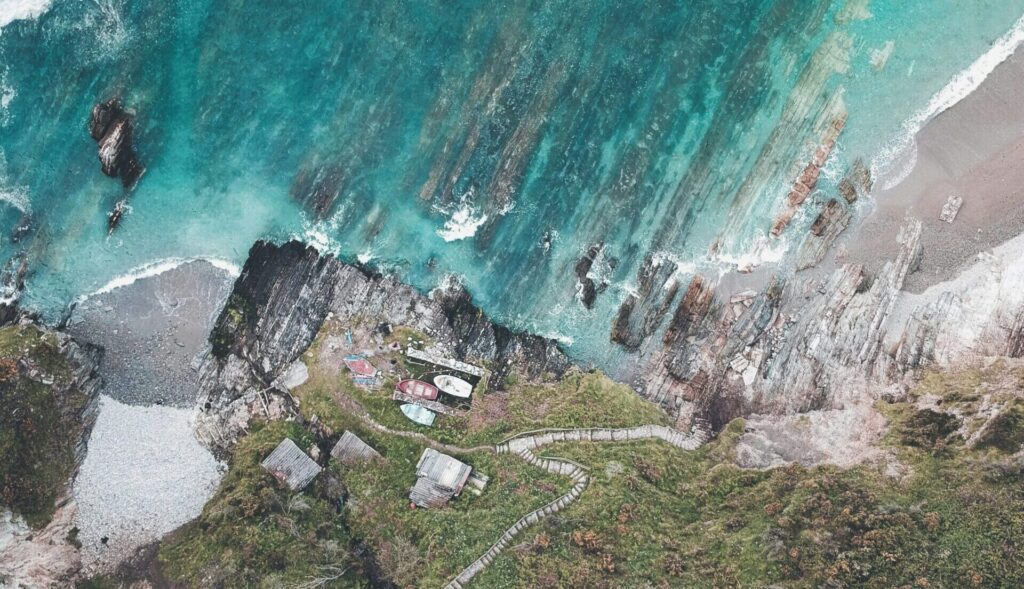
{"points": [[975, 149]]}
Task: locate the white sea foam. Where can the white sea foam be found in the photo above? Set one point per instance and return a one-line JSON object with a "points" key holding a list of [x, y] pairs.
{"points": [[462, 224], [159, 267], [890, 165], [12, 10]]}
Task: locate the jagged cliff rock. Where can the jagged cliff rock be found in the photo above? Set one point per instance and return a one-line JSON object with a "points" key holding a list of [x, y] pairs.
{"points": [[281, 300], [641, 314], [793, 347], [49, 385], [112, 128], [830, 222]]}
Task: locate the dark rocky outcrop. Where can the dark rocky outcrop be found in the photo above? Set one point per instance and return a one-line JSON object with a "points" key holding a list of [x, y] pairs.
{"points": [[641, 313], [827, 226], [857, 182], [286, 292], [49, 388], [112, 128], [588, 288]]}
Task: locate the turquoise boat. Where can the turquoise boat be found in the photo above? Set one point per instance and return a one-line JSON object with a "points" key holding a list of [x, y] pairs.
{"points": [[418, 414]]}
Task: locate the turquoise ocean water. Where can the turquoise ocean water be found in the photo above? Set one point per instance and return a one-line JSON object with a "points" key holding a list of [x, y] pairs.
{"points": [[492, 141]]}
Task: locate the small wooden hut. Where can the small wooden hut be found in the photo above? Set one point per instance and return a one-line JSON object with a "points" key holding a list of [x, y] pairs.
{"points": [[439, 477], [351, 450], [291, 466]]}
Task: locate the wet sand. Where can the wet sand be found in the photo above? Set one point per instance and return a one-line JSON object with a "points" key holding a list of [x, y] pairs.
{"points": [[154, 332], [975, 150]]}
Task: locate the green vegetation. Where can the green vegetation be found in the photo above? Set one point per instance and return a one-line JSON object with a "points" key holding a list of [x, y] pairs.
{"points": [[655, 516], [577, 400], [421, 547], [939, 512], [255, 532], [223, 336], [39, 425]]}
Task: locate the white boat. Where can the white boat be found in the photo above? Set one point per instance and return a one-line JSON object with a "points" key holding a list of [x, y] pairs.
{"points": [[418, 414], [453, 386]]}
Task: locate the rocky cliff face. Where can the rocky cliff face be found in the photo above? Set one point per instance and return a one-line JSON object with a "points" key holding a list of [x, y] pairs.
{"points": [[286, 292], [49, 387], [825, 340]]}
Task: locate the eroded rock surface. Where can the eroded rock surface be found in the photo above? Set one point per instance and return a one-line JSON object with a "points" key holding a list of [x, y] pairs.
{"points": [[281, 300], [112, 128]]}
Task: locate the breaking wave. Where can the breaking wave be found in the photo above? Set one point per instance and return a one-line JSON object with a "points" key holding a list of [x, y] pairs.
{"points": [[159, 267], [12, 10], [895, 161]]}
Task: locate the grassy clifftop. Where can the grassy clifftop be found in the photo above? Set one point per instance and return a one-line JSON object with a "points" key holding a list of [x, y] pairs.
{"points": [[945, 509], [40, 422]]}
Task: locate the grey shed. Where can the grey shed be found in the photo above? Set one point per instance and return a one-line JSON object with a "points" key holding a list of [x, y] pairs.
{"points": [[351, 450], [291, 466], [439, 477]]}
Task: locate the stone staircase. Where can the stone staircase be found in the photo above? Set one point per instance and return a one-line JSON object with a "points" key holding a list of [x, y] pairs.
{"points": [[523, 445]]}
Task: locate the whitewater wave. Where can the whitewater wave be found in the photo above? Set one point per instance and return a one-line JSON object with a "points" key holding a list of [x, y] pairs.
{"points": [[462, 224], [12, 10], [890, 165], [159, 267]]}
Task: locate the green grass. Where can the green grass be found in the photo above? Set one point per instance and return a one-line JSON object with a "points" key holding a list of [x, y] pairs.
{"points": [[655, 516], [39, 424], [439, 541], [577, 400], [255, 532]]}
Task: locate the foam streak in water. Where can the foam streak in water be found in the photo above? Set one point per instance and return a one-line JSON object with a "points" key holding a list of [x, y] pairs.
{"points": [[890, 166], [159, 267]]}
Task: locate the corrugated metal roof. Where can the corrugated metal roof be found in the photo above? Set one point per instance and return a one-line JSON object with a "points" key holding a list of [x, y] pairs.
{"points": [[351, 450], [438, 476], [291, 465], [426, 493]]}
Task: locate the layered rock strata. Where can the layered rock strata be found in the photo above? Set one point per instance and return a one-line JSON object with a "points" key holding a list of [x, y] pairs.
{"points": [[284, 295], [112, 128]]}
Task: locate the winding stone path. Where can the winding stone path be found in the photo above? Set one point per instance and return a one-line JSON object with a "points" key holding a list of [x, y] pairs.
{"points": [[523, 445]]}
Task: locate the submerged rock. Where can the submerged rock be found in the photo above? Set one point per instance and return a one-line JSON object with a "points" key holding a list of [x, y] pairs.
{"points": [[587, 287], [317, 188], [112, 128]]}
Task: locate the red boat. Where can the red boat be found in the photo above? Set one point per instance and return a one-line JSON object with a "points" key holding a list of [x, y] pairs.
{"points": [[359, 366], [418, 389]]}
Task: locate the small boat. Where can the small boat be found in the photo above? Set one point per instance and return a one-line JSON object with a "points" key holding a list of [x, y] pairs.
{"points": [[453, 386], [360, 366], [420, 415], [417, 388]]}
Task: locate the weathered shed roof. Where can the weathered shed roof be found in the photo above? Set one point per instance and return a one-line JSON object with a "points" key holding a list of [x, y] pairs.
{"points": [[439, 478], [351, 450], [291, 465], [439, 360]]}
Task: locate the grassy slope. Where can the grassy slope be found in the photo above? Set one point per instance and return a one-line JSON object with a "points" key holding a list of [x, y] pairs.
{"points": [[255, 532], [658, 517], [655, 516], [38, 430]]}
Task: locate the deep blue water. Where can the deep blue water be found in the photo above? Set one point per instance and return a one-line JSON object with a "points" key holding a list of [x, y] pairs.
{"points": [[494, 141]]}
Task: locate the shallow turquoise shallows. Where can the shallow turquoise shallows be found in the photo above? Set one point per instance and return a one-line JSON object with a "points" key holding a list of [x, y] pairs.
{"points": [[492, 141]]}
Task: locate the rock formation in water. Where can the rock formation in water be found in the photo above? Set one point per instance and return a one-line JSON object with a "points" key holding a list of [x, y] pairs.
{"points": [[285, 294], [112, 128], [317, 188]]}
